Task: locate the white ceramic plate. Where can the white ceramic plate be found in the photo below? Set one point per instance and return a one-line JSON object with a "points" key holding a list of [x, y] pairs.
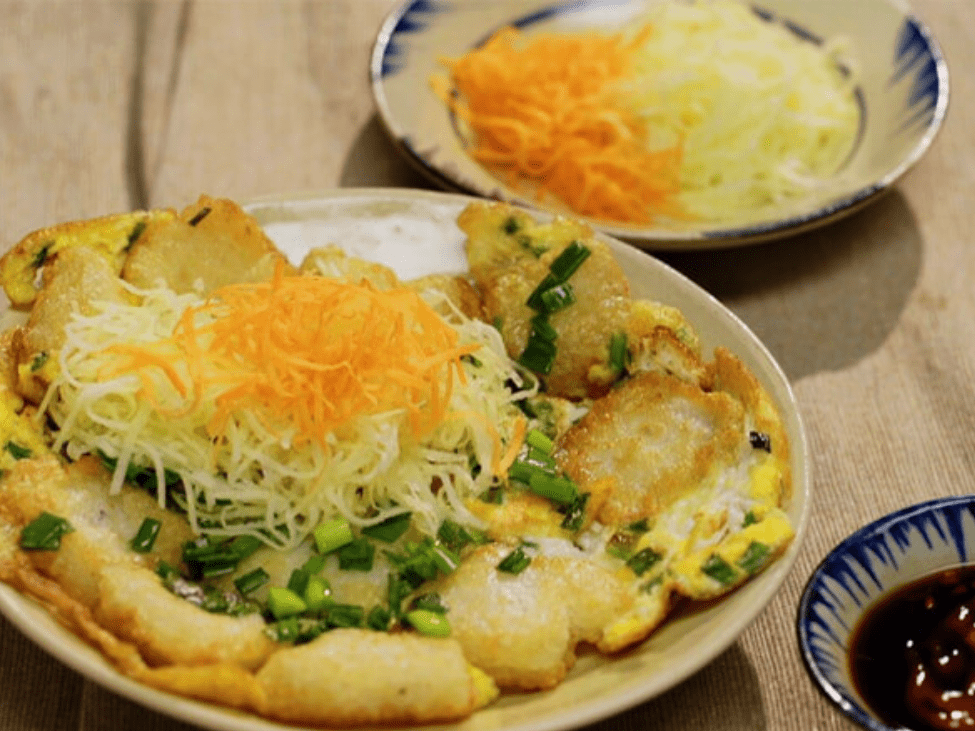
{"points": [[902, 91], [415, 233]]}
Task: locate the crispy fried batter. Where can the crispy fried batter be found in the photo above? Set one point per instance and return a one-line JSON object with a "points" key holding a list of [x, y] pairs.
{"points": [[523, 629], [372, 677], [110, 236], [331, 261], [213, 242], [74, 281], [601, 308], [657, 437]]}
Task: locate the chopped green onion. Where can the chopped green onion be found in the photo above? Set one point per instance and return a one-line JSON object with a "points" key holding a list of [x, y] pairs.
{"points": [[38, 361], [538, 355], [560, 490], [445, 559], [244, 546], [456, 537], [510, 225], [643, 560], [535, 298], [379, 619], [41, 256], [134, 234], [571, 258], [397, 589], [430, 601], [542, 328], [357, 555], [44, 533], [251, 581], [619, 354], [719, 570], [298, 581], [754, 558], [16, 451], [557, 298], [390, 529], [515, 562], [314, 564], [539, 440], [167, 572], [345, 615], [332, 535], [431, 624], [145, 538], [287, 630], [750, 519], [576, 512], [283, 602], [540, 461], [316, 593], [640, 526]]}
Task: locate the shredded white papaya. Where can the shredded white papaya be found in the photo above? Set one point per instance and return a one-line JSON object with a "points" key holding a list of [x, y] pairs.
{"points": [[282, 403]]}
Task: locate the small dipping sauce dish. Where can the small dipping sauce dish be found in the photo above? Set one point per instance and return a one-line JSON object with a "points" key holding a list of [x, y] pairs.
{"points": [[886, 623]]}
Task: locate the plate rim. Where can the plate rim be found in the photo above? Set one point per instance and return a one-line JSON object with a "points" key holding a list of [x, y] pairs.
{"points": [[30, 618]]}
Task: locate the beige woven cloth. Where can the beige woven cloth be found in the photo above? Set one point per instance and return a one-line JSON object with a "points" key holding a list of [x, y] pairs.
{"points": [[109, 106]]}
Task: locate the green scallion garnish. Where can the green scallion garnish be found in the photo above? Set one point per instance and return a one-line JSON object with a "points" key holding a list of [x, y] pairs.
{"points": [[719, 570], [538, 355], [145, 537], [558, 489], [643, 560], [571, 258], [431, 624], [331, 535], [16, 451], [754, 558], [357, 555], [44, 533], [282, 602], [619, 354], [390, 529], [515, 562], [251, 581]]}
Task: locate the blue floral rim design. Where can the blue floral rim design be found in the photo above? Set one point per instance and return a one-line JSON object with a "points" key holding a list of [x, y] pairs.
{"points": [[849, 580]]}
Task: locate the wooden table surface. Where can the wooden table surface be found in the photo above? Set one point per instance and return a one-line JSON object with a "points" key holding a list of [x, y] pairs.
{"points": [[111, 106]]}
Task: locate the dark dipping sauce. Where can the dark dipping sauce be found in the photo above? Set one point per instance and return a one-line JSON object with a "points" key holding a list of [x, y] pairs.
{"points": [[912, 657]]}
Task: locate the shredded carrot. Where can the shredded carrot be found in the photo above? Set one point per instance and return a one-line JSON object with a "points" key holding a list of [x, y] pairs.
{"points": [[309, 351], [546, 115]]}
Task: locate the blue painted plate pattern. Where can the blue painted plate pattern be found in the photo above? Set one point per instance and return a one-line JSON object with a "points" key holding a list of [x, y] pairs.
{"points": [[888, 553]]}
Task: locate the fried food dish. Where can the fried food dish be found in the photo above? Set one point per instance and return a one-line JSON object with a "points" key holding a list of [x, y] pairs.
{"points": [[319, 494]]}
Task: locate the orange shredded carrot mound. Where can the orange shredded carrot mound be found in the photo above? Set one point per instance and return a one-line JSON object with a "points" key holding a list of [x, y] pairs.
{"points": [[545, 115], [308, 351]]}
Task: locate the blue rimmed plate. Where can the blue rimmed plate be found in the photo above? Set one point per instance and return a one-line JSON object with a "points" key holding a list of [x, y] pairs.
{"points": [[885, 555], [902, 90]]}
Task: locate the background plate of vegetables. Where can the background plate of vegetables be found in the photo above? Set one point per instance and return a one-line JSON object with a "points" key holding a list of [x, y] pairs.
{"points": [[672, 124]]}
